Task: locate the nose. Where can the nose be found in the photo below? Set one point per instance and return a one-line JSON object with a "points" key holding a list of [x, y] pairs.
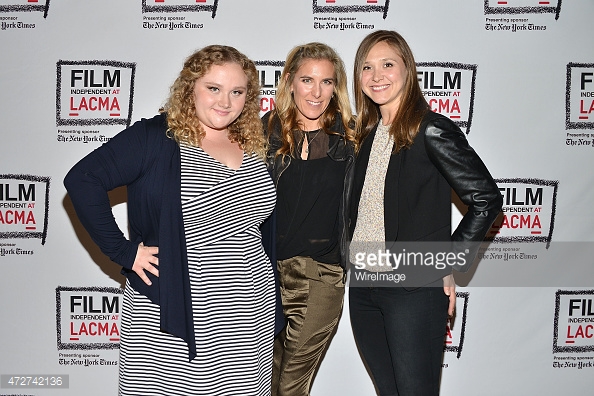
{"points": [[376, 75], [316, 91], [225, 102]]}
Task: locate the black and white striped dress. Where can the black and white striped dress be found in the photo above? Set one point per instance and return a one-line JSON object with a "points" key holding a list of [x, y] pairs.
{"points": [[232, 291]]}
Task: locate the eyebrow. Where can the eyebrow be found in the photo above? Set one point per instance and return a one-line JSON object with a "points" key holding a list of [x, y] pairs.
{"points": [[220, 85], [385, 59], [310, 77]]}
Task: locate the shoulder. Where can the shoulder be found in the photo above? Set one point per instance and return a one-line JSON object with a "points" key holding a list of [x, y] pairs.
{"points": [[149, 130], [338, 125], [438, 120], [367, 139], [266, 123], [341, 129], [147, 135], [445, 142], [266, 117], [435, 127], [154, 125], [272, 134]]}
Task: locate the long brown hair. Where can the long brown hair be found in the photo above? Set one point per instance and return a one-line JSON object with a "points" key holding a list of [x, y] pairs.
{"points": [[285, 109], [412, 106], [183, 124]]}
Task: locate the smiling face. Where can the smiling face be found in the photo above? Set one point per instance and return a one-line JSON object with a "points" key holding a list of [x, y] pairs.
{"points": [[383, 78], [219, 96], [312, 88]]}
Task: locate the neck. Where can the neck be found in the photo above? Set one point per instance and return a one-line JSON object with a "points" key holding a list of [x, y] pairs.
{"points": [[216, 136], [309, 125], [388, 113]]}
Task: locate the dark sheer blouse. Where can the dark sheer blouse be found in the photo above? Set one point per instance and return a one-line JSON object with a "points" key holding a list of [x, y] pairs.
{"points": [[308, 198]]}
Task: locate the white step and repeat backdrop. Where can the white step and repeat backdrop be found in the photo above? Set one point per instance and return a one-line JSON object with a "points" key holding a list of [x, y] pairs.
{"points": [[516, 75]]}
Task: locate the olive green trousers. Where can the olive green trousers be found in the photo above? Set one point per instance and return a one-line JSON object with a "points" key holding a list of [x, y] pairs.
{"points": [[312, 294]]}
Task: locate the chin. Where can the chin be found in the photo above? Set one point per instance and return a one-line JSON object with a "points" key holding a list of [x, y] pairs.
{"points": [[314, 117]]}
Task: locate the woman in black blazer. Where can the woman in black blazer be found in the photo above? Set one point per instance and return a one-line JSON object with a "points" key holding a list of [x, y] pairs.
{"points": [[408, 161]]}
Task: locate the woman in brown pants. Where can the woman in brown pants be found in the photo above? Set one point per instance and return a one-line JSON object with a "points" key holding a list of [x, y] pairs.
{"points": [[311, 160]]}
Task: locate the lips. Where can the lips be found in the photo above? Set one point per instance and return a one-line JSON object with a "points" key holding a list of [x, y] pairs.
{"points": [[377, 88], [222, 113]]}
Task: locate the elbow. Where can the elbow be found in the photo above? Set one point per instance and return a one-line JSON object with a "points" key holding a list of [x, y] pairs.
{"points": [[70, 180], [488, 207], [489, 202], [495, 203]]}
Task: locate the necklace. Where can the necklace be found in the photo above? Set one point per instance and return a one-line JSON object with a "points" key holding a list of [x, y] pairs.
{"points": [[309, 141]]}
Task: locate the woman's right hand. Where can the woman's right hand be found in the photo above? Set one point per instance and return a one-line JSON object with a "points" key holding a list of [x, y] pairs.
{"points": [[146, 261], [449, 288]]}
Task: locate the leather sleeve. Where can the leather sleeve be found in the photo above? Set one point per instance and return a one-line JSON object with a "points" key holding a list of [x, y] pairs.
{"points": [[448, 149]]}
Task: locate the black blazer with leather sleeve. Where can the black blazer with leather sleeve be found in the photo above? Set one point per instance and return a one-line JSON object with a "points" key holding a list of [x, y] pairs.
{"points": [[419, 180]]}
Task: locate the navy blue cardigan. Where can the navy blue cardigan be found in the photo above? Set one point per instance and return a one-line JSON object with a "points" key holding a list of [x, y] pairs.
{"points": [[145, 160]]}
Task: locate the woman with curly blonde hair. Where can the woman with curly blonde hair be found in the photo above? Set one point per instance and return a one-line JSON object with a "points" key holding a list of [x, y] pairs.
{"points": [[199, 300], [184, 126]]}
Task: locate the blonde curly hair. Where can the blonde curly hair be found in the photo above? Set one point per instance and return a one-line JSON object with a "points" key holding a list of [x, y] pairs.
{"points": [[183, 124]]}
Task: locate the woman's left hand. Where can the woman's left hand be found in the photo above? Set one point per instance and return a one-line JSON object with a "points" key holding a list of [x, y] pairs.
{"points": [[449, 288]]}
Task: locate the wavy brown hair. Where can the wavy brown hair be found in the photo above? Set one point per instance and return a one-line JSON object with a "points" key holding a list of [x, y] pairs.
{"points": [[285, 108], [412, 106], [183, 124]]}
